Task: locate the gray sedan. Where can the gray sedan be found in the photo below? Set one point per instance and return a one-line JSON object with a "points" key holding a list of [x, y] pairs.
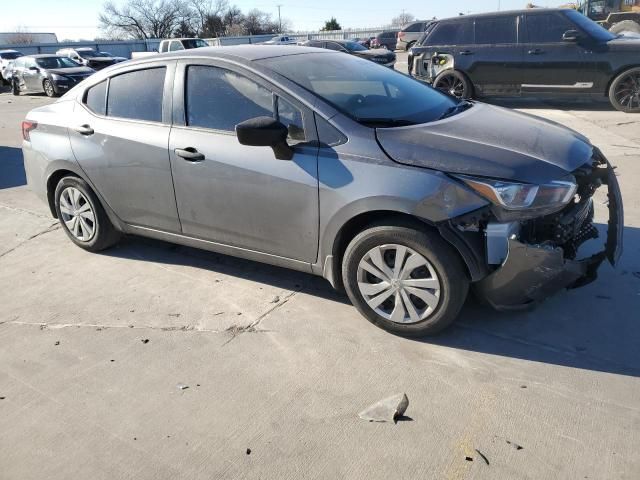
{"points": [[328, 164]]}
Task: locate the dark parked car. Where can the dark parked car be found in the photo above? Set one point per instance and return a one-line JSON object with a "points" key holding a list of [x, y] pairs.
{"points": [[89, 57], [328, 164], [381, 56], [385, 39], [50, 74], [537, 52]]}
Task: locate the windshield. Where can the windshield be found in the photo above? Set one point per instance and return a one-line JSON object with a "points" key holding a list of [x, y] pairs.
{"points": [[369, 93], [10, 55], [354, 47], [88, 53], [56, 62], [194, 43], [590, 27]]}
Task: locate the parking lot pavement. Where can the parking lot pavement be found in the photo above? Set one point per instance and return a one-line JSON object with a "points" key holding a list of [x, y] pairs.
{"points": [[278, 365]]}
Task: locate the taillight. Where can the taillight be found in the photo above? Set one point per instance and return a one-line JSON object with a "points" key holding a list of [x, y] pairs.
{"points": [[27, 126]]}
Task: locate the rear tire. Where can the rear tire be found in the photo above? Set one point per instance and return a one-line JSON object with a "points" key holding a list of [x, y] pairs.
{"points": [[48, 88], [15, 89], [625, 26], [624, 92], [424, 294], [454, 83], [82, 217]]}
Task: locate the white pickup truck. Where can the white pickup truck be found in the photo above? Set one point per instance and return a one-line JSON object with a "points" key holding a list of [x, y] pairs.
{"points": [[173, 45]]}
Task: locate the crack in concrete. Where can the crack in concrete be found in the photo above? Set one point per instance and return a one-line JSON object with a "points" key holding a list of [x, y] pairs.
{"points": [[52, 228], [24, 210], [237, 330], [56, 326]]}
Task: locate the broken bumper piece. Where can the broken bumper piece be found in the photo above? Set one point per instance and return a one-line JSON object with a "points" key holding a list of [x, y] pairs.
{"points": [[533, 272]]}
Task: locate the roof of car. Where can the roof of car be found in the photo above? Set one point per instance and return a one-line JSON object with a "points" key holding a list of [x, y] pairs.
{"points": [[43, 55], [245, 52], [504, 13]]}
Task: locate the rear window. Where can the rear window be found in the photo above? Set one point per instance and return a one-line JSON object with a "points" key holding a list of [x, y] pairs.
{"points": [[414, 27], [455, 33], [496, 30], [10, 55], [137, 95]]}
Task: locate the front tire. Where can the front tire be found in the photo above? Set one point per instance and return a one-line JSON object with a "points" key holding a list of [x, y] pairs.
{"points": [[624, 93], [454, 83], [15, 89], [404, 280], [82, 217], [48, 88]]}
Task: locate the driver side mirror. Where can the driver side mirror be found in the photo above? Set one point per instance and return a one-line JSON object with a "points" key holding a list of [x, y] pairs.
{"points": [[571, 36], [265, 132]]}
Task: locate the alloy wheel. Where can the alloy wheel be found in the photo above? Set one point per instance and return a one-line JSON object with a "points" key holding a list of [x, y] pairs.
{"points": [[77, 214], [398, 283], [452, 85], [48, 88], [627, 92]]}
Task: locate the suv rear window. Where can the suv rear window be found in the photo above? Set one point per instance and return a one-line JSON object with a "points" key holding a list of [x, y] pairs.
{"points": [[137, 95], [454, 33], [414, 27], [496, 30]]}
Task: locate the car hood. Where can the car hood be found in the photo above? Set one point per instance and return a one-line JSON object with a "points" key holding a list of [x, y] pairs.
{"points": [[491, 142], [70, 71], [376, 52]]}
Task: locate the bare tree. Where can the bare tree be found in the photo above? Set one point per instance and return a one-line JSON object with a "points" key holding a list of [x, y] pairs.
{"points": [[203, 11], [143, 18], [21, 36], [257, 22], [402, 19]]}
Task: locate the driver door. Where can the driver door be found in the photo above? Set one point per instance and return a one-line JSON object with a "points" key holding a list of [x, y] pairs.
{"points": [[237, 195], [31, 77]]}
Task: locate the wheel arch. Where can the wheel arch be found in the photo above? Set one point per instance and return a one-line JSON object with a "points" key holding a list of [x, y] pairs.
{"points": [[616, 74], [332, 267]]}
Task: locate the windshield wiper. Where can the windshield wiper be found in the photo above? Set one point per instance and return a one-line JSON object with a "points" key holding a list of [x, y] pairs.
{"points": [[385, 122], [459, 107]]}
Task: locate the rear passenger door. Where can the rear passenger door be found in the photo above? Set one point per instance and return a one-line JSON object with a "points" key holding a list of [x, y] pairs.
{"points": [[233, 194], [119, 137], [494, 60], [551, 64]]}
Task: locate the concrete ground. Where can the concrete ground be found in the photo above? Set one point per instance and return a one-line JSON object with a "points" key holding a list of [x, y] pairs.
{"points": [[278, 365]]}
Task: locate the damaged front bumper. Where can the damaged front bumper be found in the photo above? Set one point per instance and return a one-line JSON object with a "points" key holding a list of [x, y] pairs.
{"points": [[532, 272]]}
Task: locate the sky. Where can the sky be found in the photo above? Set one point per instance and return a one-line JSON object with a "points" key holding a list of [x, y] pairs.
{"points": [[75, 19]]}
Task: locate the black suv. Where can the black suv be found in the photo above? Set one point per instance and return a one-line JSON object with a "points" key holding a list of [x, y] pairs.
{"points": [[536, 52]]}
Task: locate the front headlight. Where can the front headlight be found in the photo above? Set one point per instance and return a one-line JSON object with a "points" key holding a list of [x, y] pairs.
{"points": [[58, 78], [522, 197]]}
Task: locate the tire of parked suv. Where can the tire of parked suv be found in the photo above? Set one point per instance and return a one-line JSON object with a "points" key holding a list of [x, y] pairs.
{"points": [[454, 83], [446, 265], [624, 92], [14, 87], [48, 88], [625, 26], [104, 234]]}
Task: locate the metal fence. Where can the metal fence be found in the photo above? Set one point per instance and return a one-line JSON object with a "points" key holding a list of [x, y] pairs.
{"points": [[125, 48]]}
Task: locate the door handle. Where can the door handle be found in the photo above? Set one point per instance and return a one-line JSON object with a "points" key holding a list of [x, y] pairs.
{"points": [[535, 51], [84, 130], [190, 154], [466, 52]]}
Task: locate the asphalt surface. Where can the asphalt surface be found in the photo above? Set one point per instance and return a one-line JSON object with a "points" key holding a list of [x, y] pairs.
{"points": [[278, 365]]}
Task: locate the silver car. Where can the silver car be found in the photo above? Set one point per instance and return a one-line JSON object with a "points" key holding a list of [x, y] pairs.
{"points": [[328, 164]]}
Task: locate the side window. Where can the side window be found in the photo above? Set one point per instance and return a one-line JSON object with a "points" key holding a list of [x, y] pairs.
{"points": [[328, 135], [547, 28], [292, 118], [137, 95], [96, 98], [456, 33], [219, 99], [175, 46], [496, 30]]}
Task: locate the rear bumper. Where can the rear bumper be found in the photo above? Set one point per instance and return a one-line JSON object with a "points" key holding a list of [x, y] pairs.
{"points": [[532, 273]]}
